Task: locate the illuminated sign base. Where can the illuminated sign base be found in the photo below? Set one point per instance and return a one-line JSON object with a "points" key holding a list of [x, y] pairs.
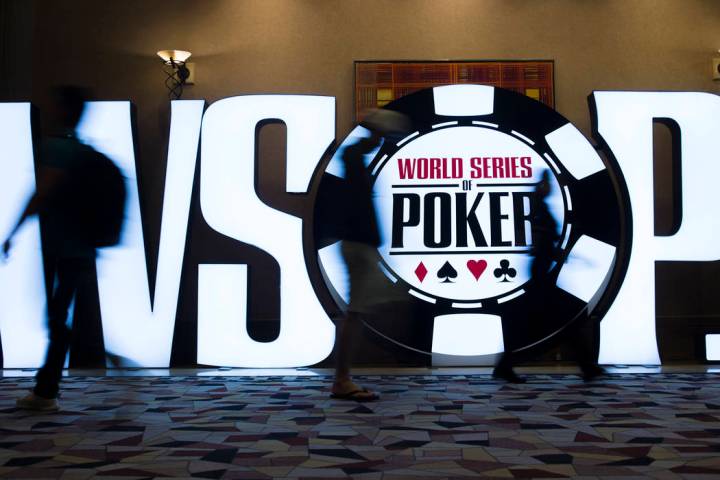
{"points": [[712, 347]]}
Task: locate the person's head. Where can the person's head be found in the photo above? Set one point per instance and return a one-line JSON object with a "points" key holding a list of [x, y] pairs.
{"points": [[542, 189], [69, 104]]}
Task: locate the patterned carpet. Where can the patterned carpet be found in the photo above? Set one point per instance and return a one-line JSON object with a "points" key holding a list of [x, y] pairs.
{"points": [[661, 426]]}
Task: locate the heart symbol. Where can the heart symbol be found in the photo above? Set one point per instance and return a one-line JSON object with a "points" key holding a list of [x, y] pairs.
{"points": [[476, 267]]}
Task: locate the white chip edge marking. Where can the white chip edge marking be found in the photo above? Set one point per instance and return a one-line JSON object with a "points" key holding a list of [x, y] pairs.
{"points": [[465, 100], [507, 298], [408, 138], [445, 124], [552, 163], [522, 137], [419, 295], [567, 195], [576, 154], [380, 164], [467, 305], [482, 334], [567, 236], [586, 268], [485, 124], [387, 272]]}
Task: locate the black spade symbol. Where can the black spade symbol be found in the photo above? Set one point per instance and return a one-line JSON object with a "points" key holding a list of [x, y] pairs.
{"points": [[447, 272]]}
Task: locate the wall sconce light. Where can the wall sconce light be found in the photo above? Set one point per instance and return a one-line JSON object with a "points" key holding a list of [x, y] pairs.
{"points": [[716, 68], [176, 70]]}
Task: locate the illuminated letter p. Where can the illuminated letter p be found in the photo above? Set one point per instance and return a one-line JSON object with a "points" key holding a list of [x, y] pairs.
{"points": [[625, 121]]}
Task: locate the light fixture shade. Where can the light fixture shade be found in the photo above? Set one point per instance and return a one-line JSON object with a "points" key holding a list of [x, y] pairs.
{"points": [[177, 56]]}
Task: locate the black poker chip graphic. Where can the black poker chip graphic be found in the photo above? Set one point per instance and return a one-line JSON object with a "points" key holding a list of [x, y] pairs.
{"points": [[452, 201]]}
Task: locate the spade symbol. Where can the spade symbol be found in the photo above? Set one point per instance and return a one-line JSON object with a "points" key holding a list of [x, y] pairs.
{"points": [[447, 272], [504, 271]]}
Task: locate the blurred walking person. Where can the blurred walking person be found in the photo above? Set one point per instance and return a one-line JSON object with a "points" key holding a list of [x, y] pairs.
{"points": [[544, 252], [360, 236], [545, 237], [80, 197]]}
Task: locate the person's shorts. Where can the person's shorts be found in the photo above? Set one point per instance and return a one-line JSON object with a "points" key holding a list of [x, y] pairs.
{"points": [[368, 285]]}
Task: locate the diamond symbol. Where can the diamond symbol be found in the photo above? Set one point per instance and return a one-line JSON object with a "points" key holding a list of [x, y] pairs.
{"points": [[421, 271]]}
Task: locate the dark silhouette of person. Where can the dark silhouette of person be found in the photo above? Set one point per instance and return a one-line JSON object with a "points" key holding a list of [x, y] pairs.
{"points": [[62, 201], [544, 252], [360, 239], [579, 335]]}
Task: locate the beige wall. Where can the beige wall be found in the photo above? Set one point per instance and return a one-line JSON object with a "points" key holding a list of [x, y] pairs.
{"points": [[308, 46], [16, 33]]}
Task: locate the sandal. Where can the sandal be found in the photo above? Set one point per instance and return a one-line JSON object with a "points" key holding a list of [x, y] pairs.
{"points": [[363, 395]]}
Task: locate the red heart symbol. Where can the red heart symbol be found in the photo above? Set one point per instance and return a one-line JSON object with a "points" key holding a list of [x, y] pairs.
{"points": [[476, 267]]}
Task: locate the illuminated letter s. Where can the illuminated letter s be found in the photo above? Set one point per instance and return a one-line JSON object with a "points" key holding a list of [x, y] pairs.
{"points": [[625, 121], [231, 206]]}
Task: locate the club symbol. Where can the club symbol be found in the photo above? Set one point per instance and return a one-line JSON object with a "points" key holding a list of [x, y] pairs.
{"points": [[505, 271], [447, 272]]}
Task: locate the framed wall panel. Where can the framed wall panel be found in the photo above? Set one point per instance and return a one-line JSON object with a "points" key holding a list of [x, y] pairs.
{"points": [[377, 83]]}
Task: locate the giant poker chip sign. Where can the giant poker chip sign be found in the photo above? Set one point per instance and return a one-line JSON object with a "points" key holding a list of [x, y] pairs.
{"points": [[453, 199]]}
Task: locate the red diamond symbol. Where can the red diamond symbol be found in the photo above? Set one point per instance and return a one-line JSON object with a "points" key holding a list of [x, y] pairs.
{"points": [[421, 271]]}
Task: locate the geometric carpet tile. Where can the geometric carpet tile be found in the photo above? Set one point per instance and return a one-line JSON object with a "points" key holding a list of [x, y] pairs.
{"points": [[663, 426]]}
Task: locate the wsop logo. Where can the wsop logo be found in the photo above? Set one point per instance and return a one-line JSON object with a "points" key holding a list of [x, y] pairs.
{"points": [[455, 210], [460, 222], [452, 203]]}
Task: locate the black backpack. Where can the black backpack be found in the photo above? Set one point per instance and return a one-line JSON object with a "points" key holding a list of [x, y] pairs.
{"points": [[104, 194]]}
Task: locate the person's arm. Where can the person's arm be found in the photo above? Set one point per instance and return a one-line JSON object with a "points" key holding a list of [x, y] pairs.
{"points": [[47, 181]]}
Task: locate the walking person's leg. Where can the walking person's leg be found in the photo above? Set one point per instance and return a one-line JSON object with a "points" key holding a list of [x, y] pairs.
{"points": [[504, 369], [537, 311], [584, 342], [68, 273], [358, 268]]}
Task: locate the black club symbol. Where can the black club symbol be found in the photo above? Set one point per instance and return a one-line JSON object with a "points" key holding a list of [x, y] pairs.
{"points": [[505, 271]]}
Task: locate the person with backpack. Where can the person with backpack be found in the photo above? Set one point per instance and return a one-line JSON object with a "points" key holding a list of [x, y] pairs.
{"points": [[80, 197]]}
